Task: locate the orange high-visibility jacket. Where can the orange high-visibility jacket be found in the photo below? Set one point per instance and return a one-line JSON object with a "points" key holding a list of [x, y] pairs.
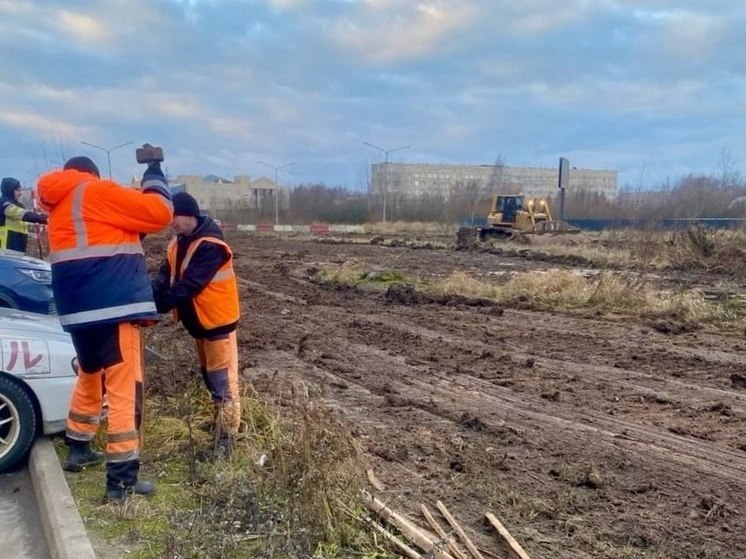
{"points": [[99, 273], [217, 304]]}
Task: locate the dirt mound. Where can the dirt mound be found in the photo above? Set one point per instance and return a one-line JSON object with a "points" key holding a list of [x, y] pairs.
{"points": [[466, 239], [404, 294], [670, 323]]}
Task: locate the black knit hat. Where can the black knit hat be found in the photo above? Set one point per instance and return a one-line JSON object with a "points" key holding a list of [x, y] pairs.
{"points": [[9, 186], [83, 164], [184, 204]]}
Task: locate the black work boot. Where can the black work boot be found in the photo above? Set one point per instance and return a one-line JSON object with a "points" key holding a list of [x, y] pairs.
{"points": [[121, 481], [117, 494], [81, 455]]}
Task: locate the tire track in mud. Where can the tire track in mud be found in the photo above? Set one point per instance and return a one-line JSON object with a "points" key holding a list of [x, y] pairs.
{"points": [[645, 383], [440, 393], [401, 373], [703, 456], [669, 390]]}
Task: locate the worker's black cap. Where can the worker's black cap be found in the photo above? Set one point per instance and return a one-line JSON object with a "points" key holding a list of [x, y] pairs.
{"points": [[83, 164], [185, 204]]}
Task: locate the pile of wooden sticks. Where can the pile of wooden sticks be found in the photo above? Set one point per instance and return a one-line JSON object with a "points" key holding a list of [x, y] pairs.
{"points": [[438, 543]]}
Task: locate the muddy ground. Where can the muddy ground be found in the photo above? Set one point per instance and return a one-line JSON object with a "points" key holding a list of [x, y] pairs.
{"points": [[588, 437]]}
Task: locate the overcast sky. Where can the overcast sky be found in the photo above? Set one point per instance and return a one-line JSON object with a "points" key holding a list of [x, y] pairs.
{"points": [[651, 88]]}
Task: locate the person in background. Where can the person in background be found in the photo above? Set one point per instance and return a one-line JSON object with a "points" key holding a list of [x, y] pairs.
{"points": [[197, 282], [102, 289], [14, 216]]}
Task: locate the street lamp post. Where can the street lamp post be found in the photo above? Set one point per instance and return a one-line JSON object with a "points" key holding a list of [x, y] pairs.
{"points": [[385, 170], [277, 185], [108, 152]]}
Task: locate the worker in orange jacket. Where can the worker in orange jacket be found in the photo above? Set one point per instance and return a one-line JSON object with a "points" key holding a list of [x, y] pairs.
{"points": [[102, 291], [197, 281]]}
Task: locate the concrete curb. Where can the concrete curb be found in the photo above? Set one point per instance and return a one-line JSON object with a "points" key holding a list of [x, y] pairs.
{"points": [[63, 528]]}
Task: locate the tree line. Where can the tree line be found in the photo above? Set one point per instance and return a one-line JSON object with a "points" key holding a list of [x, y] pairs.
{"points": [[692, 196]]}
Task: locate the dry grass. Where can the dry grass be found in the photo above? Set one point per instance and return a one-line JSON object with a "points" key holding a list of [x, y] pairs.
{"points": [[289, 489], [349, 272], [645, 250], [627, 294], [622, 293]]}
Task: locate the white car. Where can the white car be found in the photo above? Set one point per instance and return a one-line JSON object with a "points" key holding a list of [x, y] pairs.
{"points": [[37, 375]]}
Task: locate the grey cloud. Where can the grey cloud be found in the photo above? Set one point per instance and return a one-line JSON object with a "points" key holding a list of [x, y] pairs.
{"points": [[222, 84]]}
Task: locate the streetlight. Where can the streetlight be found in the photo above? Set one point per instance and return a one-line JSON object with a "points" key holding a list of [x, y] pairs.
{"points": [[277, 208], [385, 170], [108, 152]]}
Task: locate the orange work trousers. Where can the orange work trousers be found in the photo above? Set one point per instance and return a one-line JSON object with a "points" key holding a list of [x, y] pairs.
{"points": [[109, 356], [218, 360]]}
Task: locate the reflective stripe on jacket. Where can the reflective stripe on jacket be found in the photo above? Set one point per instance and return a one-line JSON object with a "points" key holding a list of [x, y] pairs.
{"points": [[217, 304], [99, 273]]}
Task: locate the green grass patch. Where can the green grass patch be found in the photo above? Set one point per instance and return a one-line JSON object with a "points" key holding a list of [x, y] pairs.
{"points": [[355, 272]]}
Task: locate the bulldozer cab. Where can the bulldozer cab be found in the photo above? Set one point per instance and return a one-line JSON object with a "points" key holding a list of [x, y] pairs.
{"points": [[508, 207]]}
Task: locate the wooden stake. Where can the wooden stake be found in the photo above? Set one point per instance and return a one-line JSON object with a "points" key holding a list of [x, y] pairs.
{"points": [[459, 530], [457, 553], [375, 482], [510, 540], [404, 548], [408, 528]]}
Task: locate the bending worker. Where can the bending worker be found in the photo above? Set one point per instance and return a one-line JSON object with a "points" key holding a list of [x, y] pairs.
{"points": [[197, 281], [14, 216], [102, 289]]}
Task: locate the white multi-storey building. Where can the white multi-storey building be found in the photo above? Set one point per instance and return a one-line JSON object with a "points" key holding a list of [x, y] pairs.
{"points": [[214, 193], [421, 179]]}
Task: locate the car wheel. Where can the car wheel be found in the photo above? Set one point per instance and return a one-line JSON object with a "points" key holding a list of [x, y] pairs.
{"points": [[17, 423]]}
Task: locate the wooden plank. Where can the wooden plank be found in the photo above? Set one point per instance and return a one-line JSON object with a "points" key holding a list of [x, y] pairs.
{"points": [[457, 553], [404, 548], [408, 528], [375, 482], [510, 540], [459, 530]]}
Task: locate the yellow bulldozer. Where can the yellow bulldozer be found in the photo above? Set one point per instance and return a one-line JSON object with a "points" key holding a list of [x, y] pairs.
{"points": [[512, 215]]}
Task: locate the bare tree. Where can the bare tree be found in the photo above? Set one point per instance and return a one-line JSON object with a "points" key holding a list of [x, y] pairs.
{"points": [[497, 181], [729, 175]]}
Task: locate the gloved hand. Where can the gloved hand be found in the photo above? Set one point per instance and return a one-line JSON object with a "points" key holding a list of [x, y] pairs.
{"points": [[33, 217], [163, 302], [154, 168]]}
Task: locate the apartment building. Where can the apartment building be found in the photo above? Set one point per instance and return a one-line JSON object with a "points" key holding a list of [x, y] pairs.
{"points": [[216, 193], [420, 179]]}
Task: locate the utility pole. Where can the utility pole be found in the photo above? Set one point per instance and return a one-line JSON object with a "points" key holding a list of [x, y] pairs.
{"points": [[385, 170], [108, 152], [277, 185]]}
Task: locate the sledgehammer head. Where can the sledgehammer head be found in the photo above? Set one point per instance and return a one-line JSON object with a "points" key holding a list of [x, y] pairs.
{"points": [[149, 154]]}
